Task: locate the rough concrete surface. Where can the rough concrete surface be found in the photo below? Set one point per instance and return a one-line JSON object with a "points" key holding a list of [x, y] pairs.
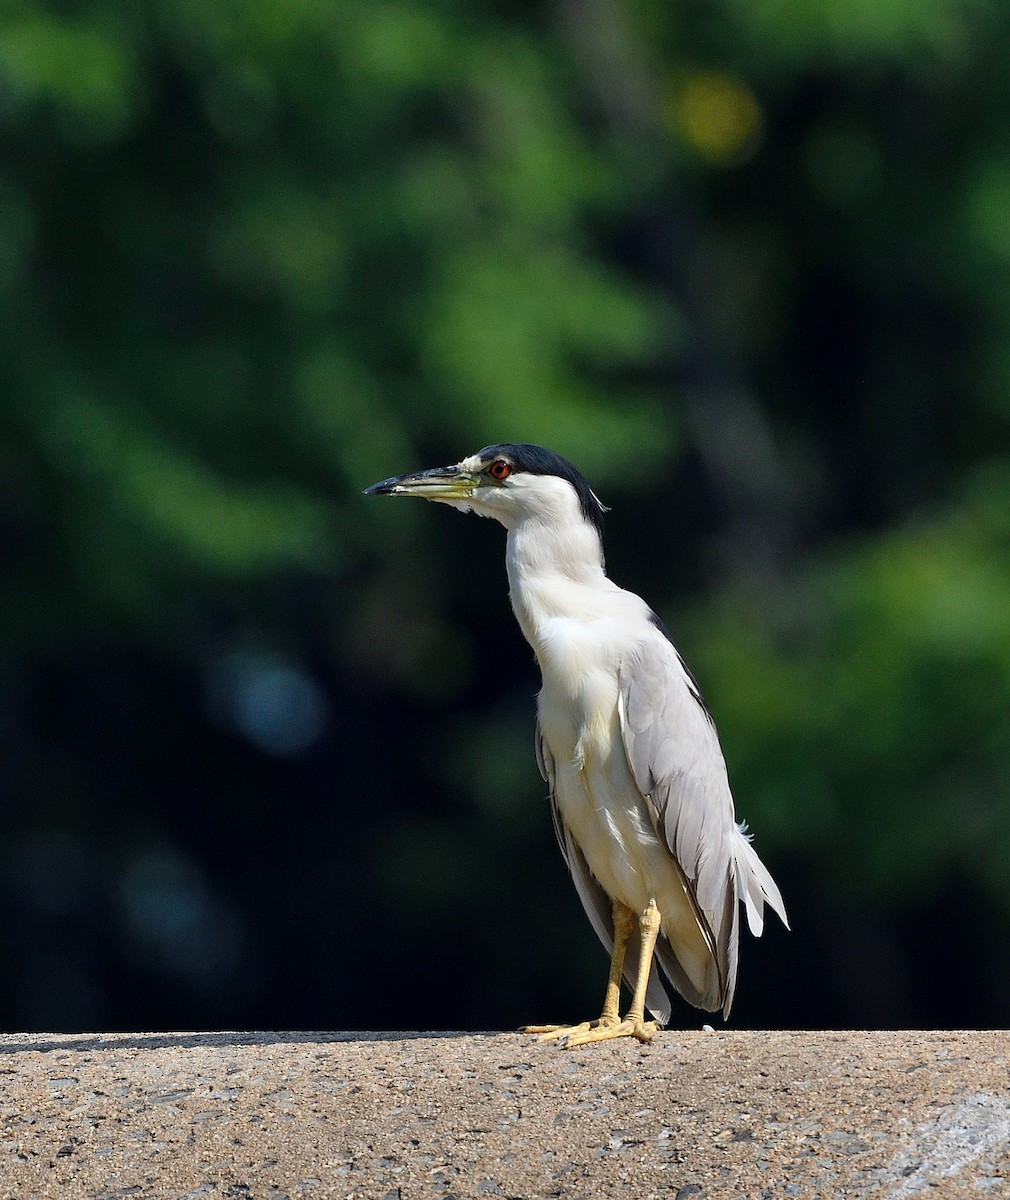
{"points": [[260, 1116]]}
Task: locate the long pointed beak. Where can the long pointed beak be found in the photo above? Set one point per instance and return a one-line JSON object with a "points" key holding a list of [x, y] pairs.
{"points": [[440, 483]]}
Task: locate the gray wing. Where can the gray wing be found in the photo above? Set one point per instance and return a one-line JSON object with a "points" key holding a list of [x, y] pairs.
{"points": [[594, 899], [676, 761]]}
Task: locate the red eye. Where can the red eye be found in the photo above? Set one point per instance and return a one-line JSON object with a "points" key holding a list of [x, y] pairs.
{"points": [[499, 469]]}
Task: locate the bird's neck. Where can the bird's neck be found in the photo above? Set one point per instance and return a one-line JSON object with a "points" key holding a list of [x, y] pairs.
{"points": [[554, 572]]}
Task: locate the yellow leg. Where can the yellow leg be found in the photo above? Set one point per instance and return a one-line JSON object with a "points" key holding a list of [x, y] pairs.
{"points": [[649, 925], [624, 924], [610, 1024]]}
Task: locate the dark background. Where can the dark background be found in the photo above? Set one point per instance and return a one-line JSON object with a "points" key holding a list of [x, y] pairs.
{"points": [[266, 745]]}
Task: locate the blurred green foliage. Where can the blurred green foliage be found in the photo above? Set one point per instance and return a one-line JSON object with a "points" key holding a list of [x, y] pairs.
{"points": [[268, 745]]}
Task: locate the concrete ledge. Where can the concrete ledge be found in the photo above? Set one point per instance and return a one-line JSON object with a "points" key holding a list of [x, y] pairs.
{"points": [[394, 1116]]}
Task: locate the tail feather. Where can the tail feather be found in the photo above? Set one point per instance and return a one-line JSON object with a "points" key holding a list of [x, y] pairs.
{"points": [[755, 885]]}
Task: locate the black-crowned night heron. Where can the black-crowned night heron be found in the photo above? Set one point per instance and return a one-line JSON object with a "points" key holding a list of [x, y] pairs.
{"points": [[639, 791]]}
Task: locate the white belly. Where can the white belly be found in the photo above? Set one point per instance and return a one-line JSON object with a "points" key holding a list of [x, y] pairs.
{"points": [[600, 804]]}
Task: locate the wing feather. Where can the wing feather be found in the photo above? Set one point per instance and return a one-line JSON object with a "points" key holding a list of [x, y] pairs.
{"points": [[677, 763]]}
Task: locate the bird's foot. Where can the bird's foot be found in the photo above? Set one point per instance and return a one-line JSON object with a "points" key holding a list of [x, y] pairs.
{"points": [[548, 1033], [588, 1032], [599, 1032]]}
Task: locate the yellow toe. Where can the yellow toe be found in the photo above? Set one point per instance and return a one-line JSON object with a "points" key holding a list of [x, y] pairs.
{"points": [[548, 1033]]}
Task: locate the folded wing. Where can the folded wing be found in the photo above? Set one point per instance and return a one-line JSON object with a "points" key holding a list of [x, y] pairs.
{"points": [[677, 763]]}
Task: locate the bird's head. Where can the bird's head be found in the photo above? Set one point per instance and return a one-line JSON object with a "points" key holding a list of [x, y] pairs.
{"points": [[509, 482]]}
